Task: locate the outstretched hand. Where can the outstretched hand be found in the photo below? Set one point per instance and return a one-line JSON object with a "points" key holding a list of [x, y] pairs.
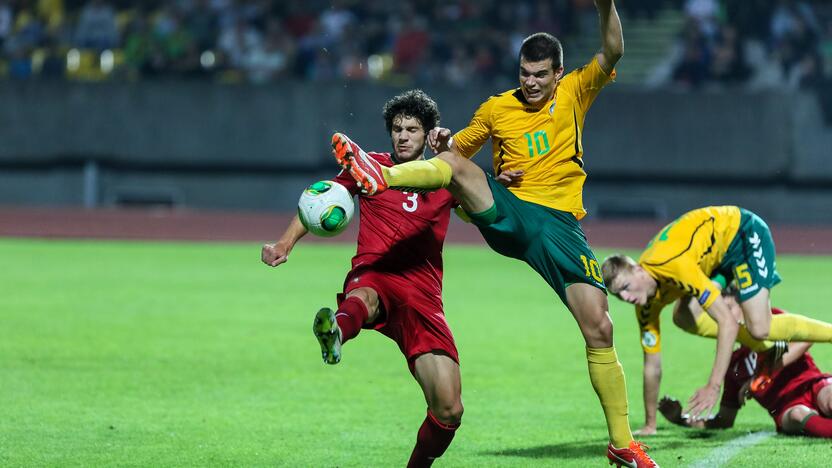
{"points": [[274, 254], [702, 402], [509, 178], [439, 140]]}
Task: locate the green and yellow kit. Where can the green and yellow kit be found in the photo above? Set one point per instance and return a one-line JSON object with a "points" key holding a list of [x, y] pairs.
{"points": [[715, 240], [537, 219]]}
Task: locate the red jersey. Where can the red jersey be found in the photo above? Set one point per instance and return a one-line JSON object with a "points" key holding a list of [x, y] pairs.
{"points": [[786, 384], [402, 232]]}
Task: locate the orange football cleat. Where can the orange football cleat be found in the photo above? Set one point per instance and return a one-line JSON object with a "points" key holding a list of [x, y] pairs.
{"points": [[365, 170], [633, 456]]}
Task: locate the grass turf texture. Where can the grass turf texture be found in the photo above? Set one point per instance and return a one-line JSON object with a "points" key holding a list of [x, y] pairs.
{"points": [[177, 354]]}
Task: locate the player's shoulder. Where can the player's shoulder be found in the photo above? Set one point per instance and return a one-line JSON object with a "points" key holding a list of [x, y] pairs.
{"points": [[575, 75], [509, 98]]}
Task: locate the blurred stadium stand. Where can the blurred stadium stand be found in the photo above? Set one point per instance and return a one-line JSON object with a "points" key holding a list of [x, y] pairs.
{"points": [[228, 104]]}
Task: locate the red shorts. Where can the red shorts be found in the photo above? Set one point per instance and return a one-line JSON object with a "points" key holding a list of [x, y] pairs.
{"points": [[808, 398], [410, 316]]}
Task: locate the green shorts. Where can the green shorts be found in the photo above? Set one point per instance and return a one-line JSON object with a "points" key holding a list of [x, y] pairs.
{"points": [[550, 241], [750, 259]]}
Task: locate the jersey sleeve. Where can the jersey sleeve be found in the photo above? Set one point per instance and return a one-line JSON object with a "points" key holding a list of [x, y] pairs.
{"points": [[470, 139], [650, 328], [585, 83], [687, 275], [344, 178]]}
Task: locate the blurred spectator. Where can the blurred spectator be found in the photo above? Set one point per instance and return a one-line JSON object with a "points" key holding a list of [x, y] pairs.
{"points": [[272, 58], [96, 28], [693, 68], [704, 15], [729, 65], [335, 20], [455, 41], [54, 62], [140, 52], [411, 44], [752, 35], [237, 41], [791, 17], [202, 24], [6, 21], [635, 9]]}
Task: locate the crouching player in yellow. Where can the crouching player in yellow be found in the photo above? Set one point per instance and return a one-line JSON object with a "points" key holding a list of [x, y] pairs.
{"points": [[677, 266]]}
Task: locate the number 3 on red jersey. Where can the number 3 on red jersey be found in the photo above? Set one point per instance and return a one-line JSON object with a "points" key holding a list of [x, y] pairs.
{"points": [[414, 202]]}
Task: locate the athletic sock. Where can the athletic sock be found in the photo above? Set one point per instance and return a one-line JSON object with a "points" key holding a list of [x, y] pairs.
{"points": [[607, 379], [706, 326], [351, 315], [433, 439], [793, 327], [484, 218], [818, 426], [431, 174]]}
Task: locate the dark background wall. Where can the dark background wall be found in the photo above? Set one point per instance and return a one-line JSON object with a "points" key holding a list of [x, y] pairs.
{"points": [[203, 145]]}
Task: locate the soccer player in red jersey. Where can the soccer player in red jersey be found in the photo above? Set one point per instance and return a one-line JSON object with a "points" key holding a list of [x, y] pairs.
{"points": [[797, 395], [395, 284]]}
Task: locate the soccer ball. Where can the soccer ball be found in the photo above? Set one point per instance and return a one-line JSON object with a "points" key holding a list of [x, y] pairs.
{"points": [[325, 208]]}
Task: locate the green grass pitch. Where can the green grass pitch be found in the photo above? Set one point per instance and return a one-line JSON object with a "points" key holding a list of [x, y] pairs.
{"points": [[181, 354]]}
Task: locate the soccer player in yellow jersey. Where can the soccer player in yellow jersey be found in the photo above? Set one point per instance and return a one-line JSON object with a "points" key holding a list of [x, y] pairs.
{"points": [[536, 136], [677, 266]]}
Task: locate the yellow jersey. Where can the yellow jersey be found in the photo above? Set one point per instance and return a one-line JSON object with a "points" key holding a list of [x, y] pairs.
{"points": [[545, 143], [681, 258]]}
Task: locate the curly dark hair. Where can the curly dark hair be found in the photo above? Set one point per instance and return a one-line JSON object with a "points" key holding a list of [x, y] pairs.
{"points": [[413, 103]]}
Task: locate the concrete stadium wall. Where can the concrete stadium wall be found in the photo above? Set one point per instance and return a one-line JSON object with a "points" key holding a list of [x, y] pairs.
{"points": [[246, 147]]}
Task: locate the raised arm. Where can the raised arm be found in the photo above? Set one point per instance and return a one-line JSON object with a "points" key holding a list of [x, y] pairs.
{"points": [[278, 252], [612, 40]]}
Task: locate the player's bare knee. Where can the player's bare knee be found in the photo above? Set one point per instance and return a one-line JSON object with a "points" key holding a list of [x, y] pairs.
{"points": [[824, 401], [759, 331], [448, 413], [370, 299], [605, 330], [792, 419], [461, 168], [598, 334]]}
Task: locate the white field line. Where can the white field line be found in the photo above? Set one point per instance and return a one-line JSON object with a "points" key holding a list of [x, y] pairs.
{"points": [[721, 455]]}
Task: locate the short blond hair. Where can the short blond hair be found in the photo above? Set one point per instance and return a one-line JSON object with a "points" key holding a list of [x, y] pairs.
{"points": [[614, 265]]}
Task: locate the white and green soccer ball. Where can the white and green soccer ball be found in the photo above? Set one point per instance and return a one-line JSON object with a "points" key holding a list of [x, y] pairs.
{"points": [[325, 208]]}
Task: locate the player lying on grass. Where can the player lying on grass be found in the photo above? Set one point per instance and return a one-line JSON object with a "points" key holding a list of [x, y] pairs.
{"points": [[395, 284], [536, 137], [677, 266], [797, 395]]}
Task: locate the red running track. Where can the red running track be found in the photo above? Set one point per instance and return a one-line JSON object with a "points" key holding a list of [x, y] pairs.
{"points": [[177, 224]]}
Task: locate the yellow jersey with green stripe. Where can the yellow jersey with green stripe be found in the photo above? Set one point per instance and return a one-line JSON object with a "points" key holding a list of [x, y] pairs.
{"points": [[545, 143], [681, 258]]}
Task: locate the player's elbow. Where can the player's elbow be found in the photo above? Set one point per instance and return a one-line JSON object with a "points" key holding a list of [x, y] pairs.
{"points": [[727, 322], [652, 371], [614, 51]]}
